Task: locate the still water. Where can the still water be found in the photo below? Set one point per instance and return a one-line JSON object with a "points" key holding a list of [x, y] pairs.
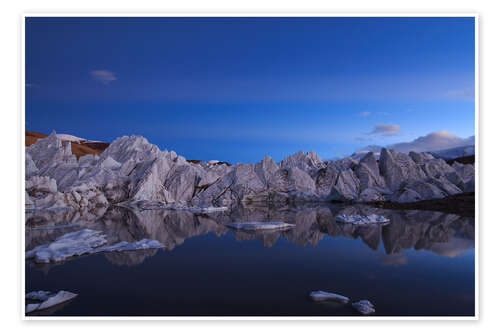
{"points": [[421, 264]]}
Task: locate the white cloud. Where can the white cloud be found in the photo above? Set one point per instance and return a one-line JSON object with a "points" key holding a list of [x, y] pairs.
{"points": [[385, 130], [364, 113], [103, 76], [432, 142]]}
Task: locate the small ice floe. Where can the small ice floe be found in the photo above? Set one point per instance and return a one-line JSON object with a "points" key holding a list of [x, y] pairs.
{"points": [[362, 220], [38, 295], [364, 307], [82, 242], [47, 299], [159, 205], [259, 225], [201, 209], [321, 296], [143, 244]]}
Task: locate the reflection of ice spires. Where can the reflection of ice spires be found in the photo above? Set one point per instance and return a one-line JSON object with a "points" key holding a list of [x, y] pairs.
{"points": [[129, 258], [454, 247], [408, 229], [394, 260]]}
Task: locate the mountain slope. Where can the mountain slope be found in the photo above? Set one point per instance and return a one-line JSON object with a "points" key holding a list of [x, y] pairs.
{"points": [[79, 146]]}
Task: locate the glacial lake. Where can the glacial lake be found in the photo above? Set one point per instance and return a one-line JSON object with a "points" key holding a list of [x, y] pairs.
{"points": [[421, 264]]}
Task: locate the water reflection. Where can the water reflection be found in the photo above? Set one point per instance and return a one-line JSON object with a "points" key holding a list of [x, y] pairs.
{"points": [[444, 234]]}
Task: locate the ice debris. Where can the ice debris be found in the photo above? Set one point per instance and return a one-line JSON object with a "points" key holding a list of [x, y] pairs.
{"points": [[259, 225], [321, 296], [82, 242], [362, 220], [47, 299], [364, 307]]}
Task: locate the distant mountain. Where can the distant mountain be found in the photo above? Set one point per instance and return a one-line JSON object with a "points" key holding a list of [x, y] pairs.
{"points": [[79, 146], [445, 154], [452, 153]]}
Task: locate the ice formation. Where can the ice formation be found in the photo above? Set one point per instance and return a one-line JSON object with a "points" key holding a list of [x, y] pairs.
{"points": [[82, 242], [321, 296], [47, 299], [364, 307], [132, 171], [259, 225], [361, 219]]}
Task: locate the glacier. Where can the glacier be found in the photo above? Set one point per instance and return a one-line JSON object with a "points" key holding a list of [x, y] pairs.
{"points": [[135, 173]]}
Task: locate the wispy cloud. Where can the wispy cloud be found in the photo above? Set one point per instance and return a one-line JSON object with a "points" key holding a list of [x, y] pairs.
{"points": [[467, 93], [385, 130], [364, 114], [360, 139], [103, 76]]}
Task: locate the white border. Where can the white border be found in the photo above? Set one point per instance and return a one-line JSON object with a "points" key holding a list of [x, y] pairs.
{"points": [[241, 14]]}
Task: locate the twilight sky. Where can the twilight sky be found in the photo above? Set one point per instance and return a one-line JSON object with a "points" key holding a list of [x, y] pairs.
{"points": [[237, 89]]}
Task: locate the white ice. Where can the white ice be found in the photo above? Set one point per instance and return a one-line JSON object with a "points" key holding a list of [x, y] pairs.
{"points": [[362, 220], [259, 225], [364, 307], [50, 301], [320, 296], [81, 242]]}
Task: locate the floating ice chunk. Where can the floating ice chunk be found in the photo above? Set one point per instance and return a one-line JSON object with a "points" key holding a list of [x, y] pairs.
{"points": [[158, 205], [81, 242], [362, 220], [61, 297], [38, 295], [320, 296], [203, 209], [259, 225], [31, 307], [72, 244], [143, 244], [364, 307]]}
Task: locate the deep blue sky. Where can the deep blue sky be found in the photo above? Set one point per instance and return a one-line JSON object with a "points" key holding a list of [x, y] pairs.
{"points": [[237, 89]]}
